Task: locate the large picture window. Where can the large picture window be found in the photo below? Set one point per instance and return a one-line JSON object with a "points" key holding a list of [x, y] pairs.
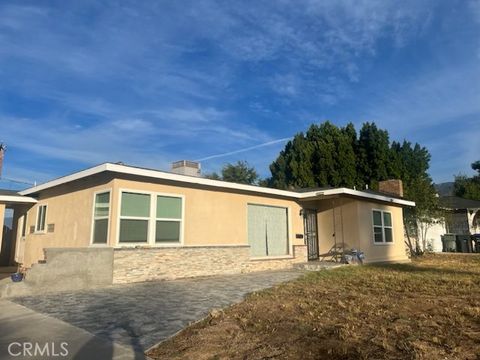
{"points": [[134, 218], [101, 214], [382, 227], [150, 218]]}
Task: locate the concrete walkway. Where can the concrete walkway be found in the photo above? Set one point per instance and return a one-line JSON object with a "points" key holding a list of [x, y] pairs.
{"points": [[20, 327], [141, 315]]}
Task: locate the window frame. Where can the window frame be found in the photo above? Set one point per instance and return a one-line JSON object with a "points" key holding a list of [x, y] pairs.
{"points": [[383, 242], [44, 230], [109, 217], [290, 237], [141, 218], [152, 220], [180, 220]]}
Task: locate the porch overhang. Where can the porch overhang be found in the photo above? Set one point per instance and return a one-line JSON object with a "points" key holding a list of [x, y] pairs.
{"points": [[16, 199], [363, 195]]}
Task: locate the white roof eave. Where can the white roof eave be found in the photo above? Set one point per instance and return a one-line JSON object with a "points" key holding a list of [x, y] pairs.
{"points": [[65, 179], [17, 199], [129, 170]]}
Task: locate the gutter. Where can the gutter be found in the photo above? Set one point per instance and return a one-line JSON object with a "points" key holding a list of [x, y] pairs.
{"points": [[131, 170]]}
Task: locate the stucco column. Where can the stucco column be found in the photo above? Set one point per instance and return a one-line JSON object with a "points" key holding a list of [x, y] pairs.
{"points": [[2, 220]]}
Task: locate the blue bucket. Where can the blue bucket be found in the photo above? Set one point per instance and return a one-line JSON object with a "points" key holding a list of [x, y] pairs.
{"points": [[17, 277]]}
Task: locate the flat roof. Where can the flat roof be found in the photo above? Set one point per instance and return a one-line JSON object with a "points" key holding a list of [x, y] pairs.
{"points": [[157, 174]]}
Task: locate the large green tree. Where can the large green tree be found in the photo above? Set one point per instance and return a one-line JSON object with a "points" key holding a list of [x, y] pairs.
{"points": [[372, 155], [241, 172], [323, 156], [468, 187], [327, 155]]}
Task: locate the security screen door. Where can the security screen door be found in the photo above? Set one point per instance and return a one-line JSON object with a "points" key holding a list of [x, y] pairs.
{"points": [[267, 230], [311, 238]]}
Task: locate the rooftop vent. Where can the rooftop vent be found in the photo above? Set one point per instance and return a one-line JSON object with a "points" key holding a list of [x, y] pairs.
{"points": [[185, 167]]}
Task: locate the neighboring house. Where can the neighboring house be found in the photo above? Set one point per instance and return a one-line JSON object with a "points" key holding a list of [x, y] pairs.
{"points": [[462, 217], [165, 225]]}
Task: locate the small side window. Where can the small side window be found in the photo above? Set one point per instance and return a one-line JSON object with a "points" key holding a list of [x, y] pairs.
{"points": [[41, 218], [101, 214], [382, 227]]}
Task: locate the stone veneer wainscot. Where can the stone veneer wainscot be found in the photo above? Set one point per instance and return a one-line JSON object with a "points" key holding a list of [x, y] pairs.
{"points": [[145, 264]]}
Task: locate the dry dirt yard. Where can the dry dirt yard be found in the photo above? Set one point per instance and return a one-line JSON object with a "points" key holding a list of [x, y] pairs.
{"points": [[429, 309]]}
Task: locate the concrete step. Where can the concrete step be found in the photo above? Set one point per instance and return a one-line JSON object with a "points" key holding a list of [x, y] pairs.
{"points": [[6, 280], [14, 289], [318, 265]]}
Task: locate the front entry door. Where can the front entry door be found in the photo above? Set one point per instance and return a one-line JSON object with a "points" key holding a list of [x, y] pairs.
{"points": [[310, 226]]}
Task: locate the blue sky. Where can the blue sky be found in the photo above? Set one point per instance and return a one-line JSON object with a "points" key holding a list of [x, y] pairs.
{"points": [[151, 82]]}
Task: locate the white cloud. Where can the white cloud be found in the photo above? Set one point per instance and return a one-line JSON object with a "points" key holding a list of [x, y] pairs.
{"points": [[475, 8], [454, 151], [190, 115], [150, 82], [135, 125], [440, 110], [328, 35], [247, 149], [435, 97], [154, 142]]}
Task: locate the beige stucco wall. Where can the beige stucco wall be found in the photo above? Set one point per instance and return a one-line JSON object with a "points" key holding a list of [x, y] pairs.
{"points": [[395, 251], [343, 213], [354, 226], [69, 208], [19, 211], [212, 216]]}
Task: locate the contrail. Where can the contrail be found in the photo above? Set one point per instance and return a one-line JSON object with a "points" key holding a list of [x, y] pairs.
{"points": [[244, 149]]}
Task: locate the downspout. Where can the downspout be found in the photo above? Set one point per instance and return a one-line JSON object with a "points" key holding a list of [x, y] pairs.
{"points": [[266, 237], [343, 233], [334, 228]]}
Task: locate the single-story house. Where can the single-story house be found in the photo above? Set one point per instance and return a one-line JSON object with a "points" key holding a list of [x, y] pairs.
{"points": [[167, 224]]}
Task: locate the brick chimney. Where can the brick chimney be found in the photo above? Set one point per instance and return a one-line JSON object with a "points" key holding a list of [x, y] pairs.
{"points": [[392, 187], [3, 147]]}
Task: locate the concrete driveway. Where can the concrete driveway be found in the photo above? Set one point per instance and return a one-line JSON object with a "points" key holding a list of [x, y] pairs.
{"points": [[27, 334], [140, 315]]}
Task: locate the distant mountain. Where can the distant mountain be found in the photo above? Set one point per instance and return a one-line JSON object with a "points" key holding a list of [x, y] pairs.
{"points": [[444, 189]]}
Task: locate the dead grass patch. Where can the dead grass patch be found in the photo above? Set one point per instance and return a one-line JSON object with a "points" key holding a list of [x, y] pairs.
{"points": [[429, 309]]}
